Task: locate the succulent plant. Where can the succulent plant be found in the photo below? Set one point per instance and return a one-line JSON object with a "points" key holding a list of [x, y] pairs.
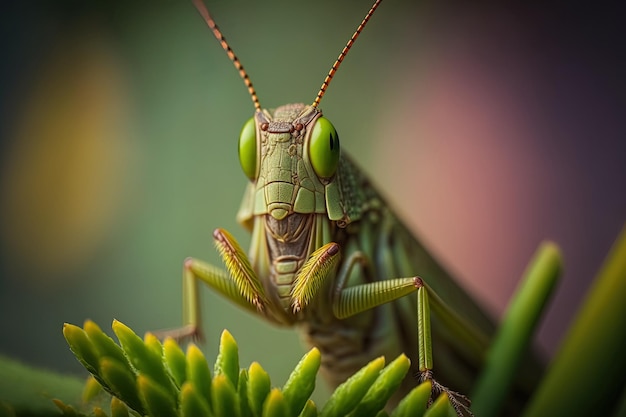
{"points": [[147, 377]]}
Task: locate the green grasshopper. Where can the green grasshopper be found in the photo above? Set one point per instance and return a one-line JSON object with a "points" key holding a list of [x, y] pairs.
{"points": [[328, 255]]}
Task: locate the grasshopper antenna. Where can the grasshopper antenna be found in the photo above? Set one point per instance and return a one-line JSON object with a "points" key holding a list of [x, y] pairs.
{"points": [[343, 54], [218, 35]]}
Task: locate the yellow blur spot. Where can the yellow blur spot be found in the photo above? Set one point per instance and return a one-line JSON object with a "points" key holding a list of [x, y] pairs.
{"points": [[64, 178]]}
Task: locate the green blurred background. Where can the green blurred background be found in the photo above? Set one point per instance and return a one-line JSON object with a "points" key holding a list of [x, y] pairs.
{"points": [[489, 127]]}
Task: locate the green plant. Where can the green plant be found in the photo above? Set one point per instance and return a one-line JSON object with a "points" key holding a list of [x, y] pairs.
{"points": [[160, 380]]}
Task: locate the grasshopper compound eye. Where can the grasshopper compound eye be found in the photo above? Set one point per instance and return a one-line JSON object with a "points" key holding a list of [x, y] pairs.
{"points": [[247, 149], [324, 148]]}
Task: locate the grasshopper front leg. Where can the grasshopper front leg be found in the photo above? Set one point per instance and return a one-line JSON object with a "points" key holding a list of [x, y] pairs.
{"points": [[238, 283], [348, 301]]}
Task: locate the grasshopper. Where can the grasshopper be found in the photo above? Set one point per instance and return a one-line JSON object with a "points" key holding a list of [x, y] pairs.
{"points": [[329, 256]]}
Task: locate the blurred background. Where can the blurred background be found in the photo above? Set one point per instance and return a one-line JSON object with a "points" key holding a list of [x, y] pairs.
{"points": [[489, 127]]}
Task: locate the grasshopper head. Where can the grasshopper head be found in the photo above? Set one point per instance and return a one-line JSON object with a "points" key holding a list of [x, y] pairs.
{"points": [[290, 155]]}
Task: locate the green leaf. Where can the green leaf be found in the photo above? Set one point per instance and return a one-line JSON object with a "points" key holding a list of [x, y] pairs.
{"points": [[309, 410], [301, 382], [224, 397], [145, 360], [192, 403], [588, 374], [415, 402], [175, 361], [441, 407], [81, 346], [275, 405], [258, 388], [153, 343], [26, 391], [121, 382], [383, 388], [242, 391], [156, 400], [99, 412], [198, 373], [104, 345], [227, 362], [118, 408], [514, 336], [91, 390], [348, 394]]}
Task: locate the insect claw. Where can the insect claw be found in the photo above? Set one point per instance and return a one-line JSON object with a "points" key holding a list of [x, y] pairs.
{"points": [[197, 336], [458, 401], [189, 332]]}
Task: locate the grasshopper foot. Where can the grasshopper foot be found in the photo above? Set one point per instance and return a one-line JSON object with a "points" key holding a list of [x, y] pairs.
{"points": [[459, 402], [189, 332]]}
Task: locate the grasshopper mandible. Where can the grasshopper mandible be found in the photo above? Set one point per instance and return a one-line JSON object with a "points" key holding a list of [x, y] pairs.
{"points": [[328, 255]]}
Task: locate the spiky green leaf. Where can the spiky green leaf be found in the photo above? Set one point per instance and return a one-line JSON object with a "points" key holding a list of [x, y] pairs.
{"points": [[275, 405], [192, 403], [155, 399], [383, 388], [309, 410], [224, 397], [415, 402], [301, 382], [198, 373], [81, 346], [242, 394], [348, 394], [227, 362], [121, 382], [175, 361], [91, 390], [153, 343], [118, 408], [441, 407], [104, 345], [145, 360], [259, 386]]}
